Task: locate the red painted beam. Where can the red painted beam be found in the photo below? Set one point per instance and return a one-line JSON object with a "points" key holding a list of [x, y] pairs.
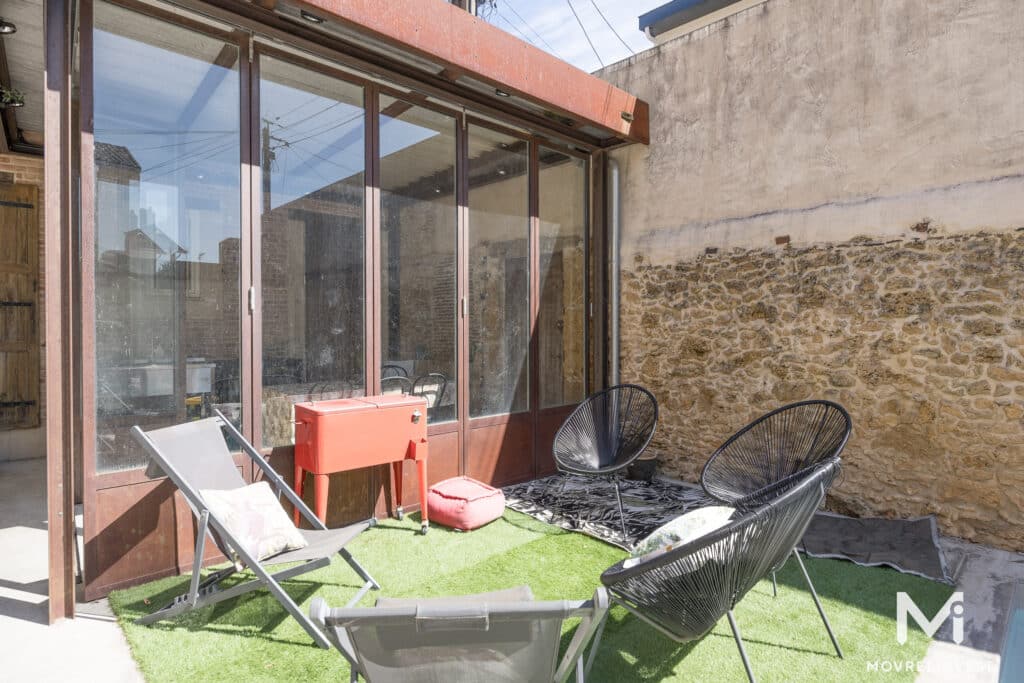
{"points": [[455, 39]]}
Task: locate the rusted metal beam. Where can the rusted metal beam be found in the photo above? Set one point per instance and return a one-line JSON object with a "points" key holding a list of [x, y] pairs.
{"points": [[461, 42]]}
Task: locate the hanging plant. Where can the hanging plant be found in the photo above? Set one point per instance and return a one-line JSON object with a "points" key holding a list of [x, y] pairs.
{"points": [[11, 97]]}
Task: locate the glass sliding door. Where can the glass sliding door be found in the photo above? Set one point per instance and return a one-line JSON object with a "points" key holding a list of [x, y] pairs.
{"points": [[499, 273], [167, 229], [312, 141], [418, 255], [561, 322]]}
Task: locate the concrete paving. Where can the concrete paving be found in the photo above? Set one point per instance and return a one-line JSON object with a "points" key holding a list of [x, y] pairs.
{"points": [[90, 647], [987, 577]]}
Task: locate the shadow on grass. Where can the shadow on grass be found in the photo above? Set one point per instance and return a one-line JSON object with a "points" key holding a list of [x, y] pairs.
{"points": [[254, 614], [871, 589]]}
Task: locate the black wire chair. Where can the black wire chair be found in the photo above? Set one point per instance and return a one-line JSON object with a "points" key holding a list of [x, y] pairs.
{"points": [[751, 466], [390, 370], [776, 449], [605, 433], [431, 386], [395, 384], [686, 591]]}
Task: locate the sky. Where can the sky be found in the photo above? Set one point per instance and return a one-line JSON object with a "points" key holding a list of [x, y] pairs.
{"points": [[551, 26]]}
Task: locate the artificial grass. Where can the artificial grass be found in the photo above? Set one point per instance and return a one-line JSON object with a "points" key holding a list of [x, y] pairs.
{"points": [[252, 638]]}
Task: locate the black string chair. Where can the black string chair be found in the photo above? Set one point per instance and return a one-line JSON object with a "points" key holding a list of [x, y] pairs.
{"points": [[758, 461], [686, 591], [773, 448], [605, 433]]}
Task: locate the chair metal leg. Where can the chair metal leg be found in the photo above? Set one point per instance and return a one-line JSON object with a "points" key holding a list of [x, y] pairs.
{"points": [[739, 644], [817, 603], [775, 586], [622, 517]]}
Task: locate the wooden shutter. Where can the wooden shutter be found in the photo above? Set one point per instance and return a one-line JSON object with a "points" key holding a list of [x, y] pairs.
{"points": [[19, 314]]}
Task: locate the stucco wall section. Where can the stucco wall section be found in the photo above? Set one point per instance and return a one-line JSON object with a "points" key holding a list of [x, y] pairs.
{"points": [[825, 120]]}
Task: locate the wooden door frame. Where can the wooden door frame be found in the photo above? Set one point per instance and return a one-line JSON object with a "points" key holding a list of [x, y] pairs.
{"points": [[58, 276]]}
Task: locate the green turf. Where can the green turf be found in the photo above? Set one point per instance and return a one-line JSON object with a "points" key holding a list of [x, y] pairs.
{"points": [[252, 638]]}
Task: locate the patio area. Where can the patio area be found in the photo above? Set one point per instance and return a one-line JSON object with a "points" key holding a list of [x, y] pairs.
{"points": [[252, 637]]}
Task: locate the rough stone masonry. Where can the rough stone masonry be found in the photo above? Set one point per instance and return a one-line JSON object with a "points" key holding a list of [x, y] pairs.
{"points": [[921, 339]]}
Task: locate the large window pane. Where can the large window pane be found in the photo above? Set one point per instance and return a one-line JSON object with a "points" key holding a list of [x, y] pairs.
{"points": [[312, 154], [418, 277], [560, 324], [167, 214], [499, 273]]}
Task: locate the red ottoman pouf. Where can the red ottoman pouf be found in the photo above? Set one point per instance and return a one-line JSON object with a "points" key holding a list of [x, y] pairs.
{"points": [[463, 503]]}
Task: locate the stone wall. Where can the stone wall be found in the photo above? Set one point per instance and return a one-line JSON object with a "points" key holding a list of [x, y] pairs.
{"points": [[921, 340]]}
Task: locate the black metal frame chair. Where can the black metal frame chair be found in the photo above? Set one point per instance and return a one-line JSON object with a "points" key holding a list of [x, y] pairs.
{"points": [[686, 591], [421, 387], [755, 463], [775, 446], [605, 433]]}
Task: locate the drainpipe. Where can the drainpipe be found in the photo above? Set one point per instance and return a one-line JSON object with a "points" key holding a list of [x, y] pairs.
{"points": [[615, 220]]}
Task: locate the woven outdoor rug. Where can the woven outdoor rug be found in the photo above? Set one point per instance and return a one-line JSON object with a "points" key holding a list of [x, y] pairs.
{"points": [[587, 505]]}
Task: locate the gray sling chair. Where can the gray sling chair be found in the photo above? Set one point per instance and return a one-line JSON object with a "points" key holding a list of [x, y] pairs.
{"points": [[493, 637], [776, 446], [684, 592], [195, 456]]}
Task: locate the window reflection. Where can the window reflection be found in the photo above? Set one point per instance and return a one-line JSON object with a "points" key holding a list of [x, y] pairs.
{"points": [[499, 273], [167, 204], [312, 150], [561, 329], [418, 277]]}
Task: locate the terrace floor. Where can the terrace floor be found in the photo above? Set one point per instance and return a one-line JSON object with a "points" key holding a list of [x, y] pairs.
{"points": [[90, 647], [93, 647]]}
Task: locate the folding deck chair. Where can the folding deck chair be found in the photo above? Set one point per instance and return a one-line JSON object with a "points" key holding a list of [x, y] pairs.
{"points": [[499, 636], [195, 456]]}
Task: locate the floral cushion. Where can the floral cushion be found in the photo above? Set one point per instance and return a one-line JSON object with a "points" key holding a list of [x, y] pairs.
{"points": [[253, 515], [680, 531]]}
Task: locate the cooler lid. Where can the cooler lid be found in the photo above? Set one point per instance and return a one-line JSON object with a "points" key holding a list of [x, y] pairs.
{"points": [[395, 401], [334, 405]]}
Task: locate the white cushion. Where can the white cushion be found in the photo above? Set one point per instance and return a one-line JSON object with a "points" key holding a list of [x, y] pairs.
{"points": [[253, 515], [680, 531]]}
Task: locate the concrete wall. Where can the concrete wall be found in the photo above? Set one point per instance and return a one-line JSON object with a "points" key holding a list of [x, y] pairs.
{"points": [[831, 206], [20, 444]]}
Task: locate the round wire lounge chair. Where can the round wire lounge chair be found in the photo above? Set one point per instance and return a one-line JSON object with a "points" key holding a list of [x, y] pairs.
{"points": [[769, 454], [758, 461], [684, 592], [605, 433]]}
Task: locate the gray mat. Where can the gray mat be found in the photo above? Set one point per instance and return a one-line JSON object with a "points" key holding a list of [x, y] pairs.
{"points": [[587, 505]]}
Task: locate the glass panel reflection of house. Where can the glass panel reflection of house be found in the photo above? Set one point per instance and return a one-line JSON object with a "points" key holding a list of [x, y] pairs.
{"points": [[312, 256]]}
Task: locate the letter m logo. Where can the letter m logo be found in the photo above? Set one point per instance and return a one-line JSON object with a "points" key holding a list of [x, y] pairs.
{"points": [[905, 606]]}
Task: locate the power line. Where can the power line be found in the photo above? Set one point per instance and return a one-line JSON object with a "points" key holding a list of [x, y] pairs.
{"points": [[609, 24], [535, 31], [585, 34], [512, 26]]}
